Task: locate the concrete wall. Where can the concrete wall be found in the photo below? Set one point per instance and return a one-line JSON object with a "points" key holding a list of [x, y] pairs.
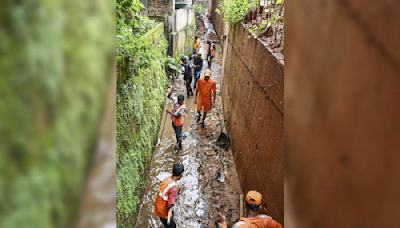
{"points": [[342, 128], [183, 29], [252, 94]]}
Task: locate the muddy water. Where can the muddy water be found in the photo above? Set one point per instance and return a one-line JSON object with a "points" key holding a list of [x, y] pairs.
{"points": [[98, 207], [210, 183]]}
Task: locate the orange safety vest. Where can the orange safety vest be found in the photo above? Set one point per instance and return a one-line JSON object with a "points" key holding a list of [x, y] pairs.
{"points": [[261, 221], [160, 204], [196, 44], [178, 121]]}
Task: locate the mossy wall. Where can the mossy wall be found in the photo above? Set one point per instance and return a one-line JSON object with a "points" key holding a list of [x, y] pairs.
{"points": [[55, 64], [182, 37], [140, 100]]}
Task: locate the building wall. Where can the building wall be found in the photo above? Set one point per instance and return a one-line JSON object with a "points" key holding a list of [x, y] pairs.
{"points": [[252, 94], [342, 129], [183, 27]]}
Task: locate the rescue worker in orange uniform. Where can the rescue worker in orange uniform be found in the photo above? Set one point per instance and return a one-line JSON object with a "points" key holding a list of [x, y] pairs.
{"points": [[196, 44], [206, 89], [167, 195], [177, 115], [253, 219]]}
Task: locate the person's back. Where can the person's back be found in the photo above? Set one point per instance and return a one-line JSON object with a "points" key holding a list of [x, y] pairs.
{"points": [[167, 195], [187, 74], [260, 221], [198, 62], [166, 187]]}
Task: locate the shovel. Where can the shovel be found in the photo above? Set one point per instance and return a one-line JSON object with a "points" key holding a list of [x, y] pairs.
{"points": [[169, 216], [223, 138]]}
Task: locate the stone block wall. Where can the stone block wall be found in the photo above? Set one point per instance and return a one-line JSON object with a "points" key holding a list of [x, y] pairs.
{"points": [[252, 95]]}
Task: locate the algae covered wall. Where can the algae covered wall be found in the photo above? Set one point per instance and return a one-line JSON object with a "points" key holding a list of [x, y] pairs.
{"points": [[183, 29], [54, 75], [140, 97], [252, 95]]}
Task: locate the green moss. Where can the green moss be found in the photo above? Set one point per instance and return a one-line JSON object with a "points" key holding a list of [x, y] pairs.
{"points": [[55, 67], [139, 107]]}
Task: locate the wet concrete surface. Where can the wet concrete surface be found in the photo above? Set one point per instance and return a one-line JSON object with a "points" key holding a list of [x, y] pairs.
{"points": [[210, 183]]}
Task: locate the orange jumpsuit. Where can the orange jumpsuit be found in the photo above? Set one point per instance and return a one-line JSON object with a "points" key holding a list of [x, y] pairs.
{"points": [[196, 44], [205, 90], [261, 221]]}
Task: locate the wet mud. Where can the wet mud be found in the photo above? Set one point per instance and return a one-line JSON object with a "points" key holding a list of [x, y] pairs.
{"points": [[210, 183]]}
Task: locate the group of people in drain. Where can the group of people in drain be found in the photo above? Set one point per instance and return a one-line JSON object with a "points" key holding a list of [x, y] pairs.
{"points": [[205, 88]]}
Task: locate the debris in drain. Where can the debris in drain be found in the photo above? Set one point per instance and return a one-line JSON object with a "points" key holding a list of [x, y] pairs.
{"points": [[221, 177]]}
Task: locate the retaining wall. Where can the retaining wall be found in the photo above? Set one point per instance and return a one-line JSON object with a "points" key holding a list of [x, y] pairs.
{"points": [[252, 94], [140, 99], [183, 29], [342, 102]]}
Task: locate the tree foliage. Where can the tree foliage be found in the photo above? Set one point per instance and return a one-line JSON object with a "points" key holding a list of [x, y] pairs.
{"points": [[235, 11]]}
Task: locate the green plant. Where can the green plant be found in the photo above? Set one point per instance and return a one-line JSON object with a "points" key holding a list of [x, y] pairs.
{"points": [[173, 66], [139, 105], [198, 9], [257, 30], [267, 26], [235, 11], [141, 84]]}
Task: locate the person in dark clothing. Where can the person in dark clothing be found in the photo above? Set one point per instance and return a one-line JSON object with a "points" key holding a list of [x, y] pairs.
{"points": [[198, 65], [187, 76]]}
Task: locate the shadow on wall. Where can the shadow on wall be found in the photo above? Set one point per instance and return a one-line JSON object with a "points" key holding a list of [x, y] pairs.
{"points": [[252, 95]]}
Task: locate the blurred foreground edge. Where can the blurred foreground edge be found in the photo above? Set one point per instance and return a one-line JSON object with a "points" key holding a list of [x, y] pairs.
{"points": [[342, 120], [98, 208]]}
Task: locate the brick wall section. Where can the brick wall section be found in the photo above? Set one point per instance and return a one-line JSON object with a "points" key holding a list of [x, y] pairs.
{"points": [[252, 94], [342, 90]]}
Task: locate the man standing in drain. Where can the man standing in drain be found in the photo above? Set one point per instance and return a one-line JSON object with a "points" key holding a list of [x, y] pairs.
{"points": [[187, 75], [198, 65], [177, 115], [206, 92], [167, 195]]}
